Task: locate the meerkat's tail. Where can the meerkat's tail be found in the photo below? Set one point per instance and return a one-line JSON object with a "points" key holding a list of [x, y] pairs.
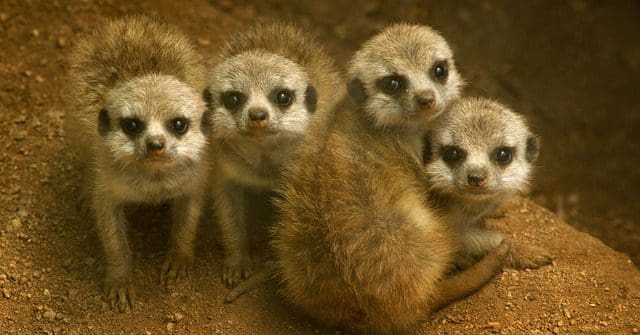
{"points": [[259, 277], [467, 282]]}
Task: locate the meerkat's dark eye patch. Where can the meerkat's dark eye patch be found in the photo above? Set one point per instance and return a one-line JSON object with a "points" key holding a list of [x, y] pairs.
{"points": [[233, 99], [311, 99], [103, 122], [282, 97], [452, 154], [503, 155], [132, 126], [440, 71], [393, 84], [533, 148], [179, 125]]}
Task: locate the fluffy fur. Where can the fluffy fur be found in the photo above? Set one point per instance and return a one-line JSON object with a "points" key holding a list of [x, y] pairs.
{"points": [[138, 124], [254, 132], [477, 155], [357, 245]]}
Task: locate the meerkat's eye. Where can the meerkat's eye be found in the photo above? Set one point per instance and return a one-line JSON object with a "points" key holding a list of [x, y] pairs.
{"points": [[440, 71], [392, 84], [503, 155], [452, 154], [179, 125], [232, 99], [283, 98], [131, 126]]}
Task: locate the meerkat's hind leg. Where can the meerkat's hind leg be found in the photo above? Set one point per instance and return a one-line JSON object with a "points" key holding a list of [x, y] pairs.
{"points": [[476, 242], [465, 283], [186, 213], [527, 256]]}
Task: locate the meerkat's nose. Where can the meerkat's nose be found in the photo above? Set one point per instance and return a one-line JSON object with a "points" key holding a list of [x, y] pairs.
{"points": [[258, 115], [155, 144], [476, 179], [425, 99]]}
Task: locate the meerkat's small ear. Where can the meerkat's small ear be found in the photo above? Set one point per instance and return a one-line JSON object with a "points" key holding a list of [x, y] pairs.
{"points": [[205, 123], [427, 154], [208, 98], [311, 99], [103, 122], [356, 90], [533, 148]]}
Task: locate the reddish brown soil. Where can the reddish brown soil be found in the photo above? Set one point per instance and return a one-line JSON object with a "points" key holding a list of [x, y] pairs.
{"points": [[573, 68]]}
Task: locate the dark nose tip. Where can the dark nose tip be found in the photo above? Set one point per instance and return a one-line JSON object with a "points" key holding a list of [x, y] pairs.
{"points": [[425, 98], [476, 179], [155, 145], [258, 115]]}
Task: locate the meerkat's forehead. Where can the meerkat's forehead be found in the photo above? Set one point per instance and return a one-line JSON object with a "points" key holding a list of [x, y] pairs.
{"points": [[480, 124], [259, 70], [400, 48], [154, 97]]}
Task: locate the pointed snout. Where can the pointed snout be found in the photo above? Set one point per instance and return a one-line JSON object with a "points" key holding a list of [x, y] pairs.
{"points": [[425, 99], [477, 177], [155, 144], [258, 117]]}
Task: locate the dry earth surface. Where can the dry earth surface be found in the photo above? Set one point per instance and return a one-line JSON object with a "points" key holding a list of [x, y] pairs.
{"points": [[50, 267]]}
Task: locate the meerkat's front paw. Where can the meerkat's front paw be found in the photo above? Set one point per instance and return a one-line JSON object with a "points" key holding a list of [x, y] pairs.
{"points": [[176, 266], [119, 292], [236, 269], [526, 256]]}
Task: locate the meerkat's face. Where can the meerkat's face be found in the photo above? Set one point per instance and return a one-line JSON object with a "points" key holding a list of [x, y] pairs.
{"points": [[154, 122], [480, 149], [404, 76], [257, 94]]}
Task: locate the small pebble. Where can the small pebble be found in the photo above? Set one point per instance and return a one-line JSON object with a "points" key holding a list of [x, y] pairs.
{"points": [[49, 315], [61, 42], [171, 326]]}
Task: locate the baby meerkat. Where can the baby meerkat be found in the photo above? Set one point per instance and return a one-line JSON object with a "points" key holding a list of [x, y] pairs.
{"points": [[357, 245], [263, 92], [478, 154], [138, 124]]}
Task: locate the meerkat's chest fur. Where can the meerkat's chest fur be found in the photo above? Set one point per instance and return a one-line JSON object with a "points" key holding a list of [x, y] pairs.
{"points": [[132, 186], [256, 164]]}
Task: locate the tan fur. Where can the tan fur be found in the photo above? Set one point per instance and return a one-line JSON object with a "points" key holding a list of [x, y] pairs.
{"points": [[146, 70], [257, 63], [356, 244], [477, 128]]}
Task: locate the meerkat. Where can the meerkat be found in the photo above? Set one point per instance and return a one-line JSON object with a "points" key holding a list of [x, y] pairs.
{"points": [[357, 245], [478, 155], [267, 85], [139, 125]]}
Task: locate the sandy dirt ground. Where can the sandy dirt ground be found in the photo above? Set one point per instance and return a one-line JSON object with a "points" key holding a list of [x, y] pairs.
{"points": [[572, 67]]}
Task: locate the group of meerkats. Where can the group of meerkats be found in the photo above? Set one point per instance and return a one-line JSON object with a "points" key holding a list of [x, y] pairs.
{"points": [[380, 178]]}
